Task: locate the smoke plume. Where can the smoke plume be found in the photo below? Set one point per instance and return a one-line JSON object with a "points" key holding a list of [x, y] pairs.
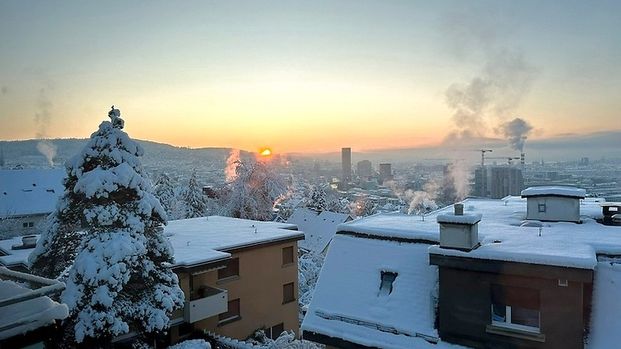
{"points": [[230, 171], [488, 97], [42, 118], [516, 131]]}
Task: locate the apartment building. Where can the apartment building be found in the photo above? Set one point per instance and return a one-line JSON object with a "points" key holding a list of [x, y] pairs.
{"points": [[481, 274], [237, 275]]}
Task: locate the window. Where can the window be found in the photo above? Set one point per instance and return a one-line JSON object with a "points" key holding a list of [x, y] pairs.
{"points": [[231, 269], [275, 331], [542, 208], [233, 312], [27, 224], [288, 294], [287, 256], [515, 307], [386, 285]]}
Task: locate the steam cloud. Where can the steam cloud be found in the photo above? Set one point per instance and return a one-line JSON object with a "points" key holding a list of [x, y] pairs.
{"points": [[516, 131], [42, 118], [419, 201], [230, 171], [496, 91]]}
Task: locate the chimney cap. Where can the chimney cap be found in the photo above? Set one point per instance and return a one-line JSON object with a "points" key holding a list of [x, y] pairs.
{"points": [[466, 219]]}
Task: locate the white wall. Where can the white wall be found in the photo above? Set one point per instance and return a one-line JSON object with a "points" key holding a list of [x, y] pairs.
{"points": [[557, 208]]}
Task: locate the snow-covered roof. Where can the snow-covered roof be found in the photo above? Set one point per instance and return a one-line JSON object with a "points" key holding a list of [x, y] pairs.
{"points": [[14, 257], [459, 219], [28, 315], [572, 192], [346, 303], [318, 227], [29, 192], [606, 307], [206, 239]]}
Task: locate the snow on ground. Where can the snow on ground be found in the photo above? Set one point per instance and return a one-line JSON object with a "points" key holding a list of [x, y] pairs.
{"points": [[348, 303], [191, 344], [27, 192], [28, 315], [554, 190], [605, 319], [199, 240]]}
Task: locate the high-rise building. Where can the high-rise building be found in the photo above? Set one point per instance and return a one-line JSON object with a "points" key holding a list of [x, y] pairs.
{"points": [[346, 163], [364, 169], [385, 172], [497, 182]]}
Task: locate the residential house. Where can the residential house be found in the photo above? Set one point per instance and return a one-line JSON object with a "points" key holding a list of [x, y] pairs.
{"points": [[480, 275], [27, 197], [237, 275]]}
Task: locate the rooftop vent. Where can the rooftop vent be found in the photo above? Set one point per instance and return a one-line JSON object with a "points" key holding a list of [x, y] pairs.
{"points": [[553, 203], [458, 230]]}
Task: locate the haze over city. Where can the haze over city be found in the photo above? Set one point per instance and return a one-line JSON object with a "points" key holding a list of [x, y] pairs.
{"points": [[310, 76]]}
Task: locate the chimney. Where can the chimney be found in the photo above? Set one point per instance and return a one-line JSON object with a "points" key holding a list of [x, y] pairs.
{"points": [[459, 231], [459, 209]]}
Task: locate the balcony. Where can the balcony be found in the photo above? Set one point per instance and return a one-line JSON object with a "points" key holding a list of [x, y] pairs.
{"points": [[205, 303]]}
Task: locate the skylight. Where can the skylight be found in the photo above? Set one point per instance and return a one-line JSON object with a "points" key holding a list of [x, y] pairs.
{"points": [[387, 280]]}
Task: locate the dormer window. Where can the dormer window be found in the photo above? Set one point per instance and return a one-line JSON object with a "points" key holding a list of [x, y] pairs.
{"points": [[387, 280], [542, 208]]}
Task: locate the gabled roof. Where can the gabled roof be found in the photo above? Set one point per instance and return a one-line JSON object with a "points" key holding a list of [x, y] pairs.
{"points": [[347, 303], [30, 192], [571, 192], [318, 227]]}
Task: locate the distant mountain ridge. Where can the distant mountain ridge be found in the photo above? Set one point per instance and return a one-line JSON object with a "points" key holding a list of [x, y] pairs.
{"points": [[25, 152]]}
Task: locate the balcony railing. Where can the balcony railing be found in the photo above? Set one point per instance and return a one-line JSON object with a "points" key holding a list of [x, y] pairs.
{"points": [[205, 303]]}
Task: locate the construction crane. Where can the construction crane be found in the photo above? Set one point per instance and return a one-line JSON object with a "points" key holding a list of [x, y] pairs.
{"points": [[483, 151]]}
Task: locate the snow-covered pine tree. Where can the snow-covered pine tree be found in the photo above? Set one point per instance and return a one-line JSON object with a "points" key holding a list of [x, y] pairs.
{"points": [[120, 279], [253, 192], [194, 200], [165, 192], [317, 198]]}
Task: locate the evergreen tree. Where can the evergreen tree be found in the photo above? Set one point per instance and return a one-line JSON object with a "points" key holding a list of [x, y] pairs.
{"points": [[317, 198], [120, 279], [195, 203], [253, 191], [165, 192]]}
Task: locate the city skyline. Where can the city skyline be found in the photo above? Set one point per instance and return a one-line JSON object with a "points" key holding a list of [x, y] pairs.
{"points": [[309, 77]]}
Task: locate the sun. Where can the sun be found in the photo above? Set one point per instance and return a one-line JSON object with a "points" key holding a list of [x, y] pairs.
{"points": [[266, 152]]}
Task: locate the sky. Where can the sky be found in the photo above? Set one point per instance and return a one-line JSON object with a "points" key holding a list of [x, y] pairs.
{"points": [[309, 76]]}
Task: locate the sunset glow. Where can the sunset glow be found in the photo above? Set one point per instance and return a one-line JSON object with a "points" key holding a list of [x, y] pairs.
{"points": [[214, 67], [266, 152]]}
